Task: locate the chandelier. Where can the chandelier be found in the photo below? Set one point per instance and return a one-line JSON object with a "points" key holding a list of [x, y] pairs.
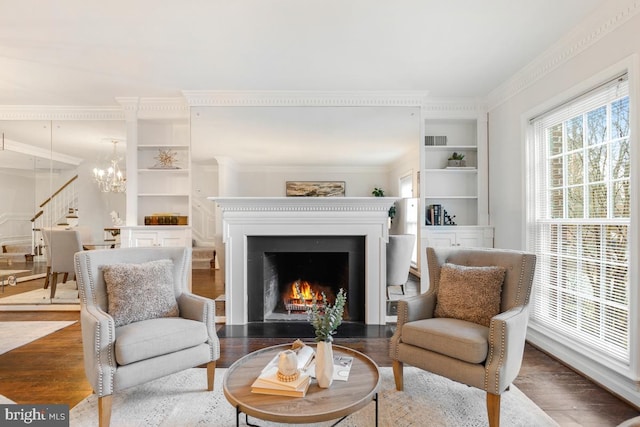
{"points": [[111, 179]]}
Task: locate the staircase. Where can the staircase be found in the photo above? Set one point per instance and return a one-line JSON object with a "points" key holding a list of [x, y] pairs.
{"points": [[203, 257]]}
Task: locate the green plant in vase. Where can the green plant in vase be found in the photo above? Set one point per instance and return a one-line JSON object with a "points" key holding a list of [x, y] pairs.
{"points": [[325, 320]]}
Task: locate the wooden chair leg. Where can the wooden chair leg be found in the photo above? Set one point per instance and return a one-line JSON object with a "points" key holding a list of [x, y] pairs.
{"points": [[46, 279], [66, 276], [54, 284], [493, 409], [104, 411], [211, 372], [397, 374]]}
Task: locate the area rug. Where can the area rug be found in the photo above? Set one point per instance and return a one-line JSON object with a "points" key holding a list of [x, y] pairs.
{"points": [[66, 293], [5, 401], [182, 400], [16, 334], [4, 273]]}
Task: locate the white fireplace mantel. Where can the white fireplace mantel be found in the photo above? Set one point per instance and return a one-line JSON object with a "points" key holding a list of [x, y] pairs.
{"points": [[243, 217]]}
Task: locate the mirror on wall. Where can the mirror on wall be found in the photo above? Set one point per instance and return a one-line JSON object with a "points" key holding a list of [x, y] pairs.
{"points": [[47, 182]]}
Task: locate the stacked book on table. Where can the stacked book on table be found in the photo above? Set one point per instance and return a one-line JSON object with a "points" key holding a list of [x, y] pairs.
{"points": [[268, 382]]}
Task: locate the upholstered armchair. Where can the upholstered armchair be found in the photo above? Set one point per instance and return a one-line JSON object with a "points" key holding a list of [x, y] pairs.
{"points": [[399, 251], [128, 345], [470, 325]]}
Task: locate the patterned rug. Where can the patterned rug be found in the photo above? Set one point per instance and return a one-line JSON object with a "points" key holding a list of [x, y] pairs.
{"points": [[182, 400], [16, 334]]}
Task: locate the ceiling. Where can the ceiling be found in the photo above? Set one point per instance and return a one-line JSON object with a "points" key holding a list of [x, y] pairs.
{"points": [[87, 53]]}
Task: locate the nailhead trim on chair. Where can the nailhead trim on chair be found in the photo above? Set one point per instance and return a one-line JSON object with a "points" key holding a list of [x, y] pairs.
{"points": [[111, 359], [491, 355]]}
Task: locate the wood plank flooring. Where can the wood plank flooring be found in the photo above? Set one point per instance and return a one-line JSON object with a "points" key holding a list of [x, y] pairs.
{"points": [[51, 370]]}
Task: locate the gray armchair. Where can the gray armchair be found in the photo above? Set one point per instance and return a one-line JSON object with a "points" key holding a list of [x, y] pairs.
{"points": [[116, 358], [61, 245], [399, 251], [488, 358]]}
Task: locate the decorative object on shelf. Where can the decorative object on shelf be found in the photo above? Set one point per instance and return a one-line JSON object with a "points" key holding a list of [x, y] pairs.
{"points": [[166, 219], [167, 159], [115, 218], [111, 179], [315, 189], [435, 140], [325, 323], [448, 219], [379, 192], [456, 160]]}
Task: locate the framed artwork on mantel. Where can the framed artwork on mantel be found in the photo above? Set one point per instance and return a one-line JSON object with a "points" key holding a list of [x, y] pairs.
{"points": [[315, 188]]}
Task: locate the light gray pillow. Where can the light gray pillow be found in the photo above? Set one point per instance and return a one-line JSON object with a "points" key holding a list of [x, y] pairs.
{"points": [[469, 293], [140, 291]]}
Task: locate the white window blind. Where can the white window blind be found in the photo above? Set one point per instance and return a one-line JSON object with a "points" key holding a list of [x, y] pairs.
{"points": [[578, 219]]}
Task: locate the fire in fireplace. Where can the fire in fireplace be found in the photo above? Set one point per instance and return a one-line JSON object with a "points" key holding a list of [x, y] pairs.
{"points": [[279, 266]]}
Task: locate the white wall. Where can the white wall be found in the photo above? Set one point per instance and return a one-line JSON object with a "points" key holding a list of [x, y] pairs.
{"points": [[270, 181], [506, 138], [17, 205]]}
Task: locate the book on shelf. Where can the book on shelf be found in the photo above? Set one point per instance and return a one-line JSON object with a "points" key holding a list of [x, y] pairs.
{"points": [[434, 215]]}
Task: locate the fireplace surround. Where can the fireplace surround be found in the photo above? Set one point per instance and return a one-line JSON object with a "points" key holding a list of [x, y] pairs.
{"points": [[247, 217]]}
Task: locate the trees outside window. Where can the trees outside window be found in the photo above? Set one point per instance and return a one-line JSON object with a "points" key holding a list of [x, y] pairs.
{"points": [[579, 219]]}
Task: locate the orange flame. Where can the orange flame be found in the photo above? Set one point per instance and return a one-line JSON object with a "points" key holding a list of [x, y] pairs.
{"points": [[306, 293]]}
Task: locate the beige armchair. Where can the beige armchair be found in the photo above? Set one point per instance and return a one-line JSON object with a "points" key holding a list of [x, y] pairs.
{"points": [[485, 357], [118, 357]]}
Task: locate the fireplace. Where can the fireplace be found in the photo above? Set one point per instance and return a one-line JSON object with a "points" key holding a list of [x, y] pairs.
{"points": [[277, 265], [361, 219]]}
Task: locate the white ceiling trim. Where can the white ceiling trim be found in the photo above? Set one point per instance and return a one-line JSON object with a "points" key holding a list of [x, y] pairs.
{"points": [[213, 98], [453, 108], [564, 50], [49, 112], [154, 108]]}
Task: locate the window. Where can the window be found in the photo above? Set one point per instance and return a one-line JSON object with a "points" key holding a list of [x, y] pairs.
{"points": [[578, 219], [410, 211]]}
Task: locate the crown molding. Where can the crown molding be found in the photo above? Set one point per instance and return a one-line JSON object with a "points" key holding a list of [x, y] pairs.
{"points": [[52, 112], [154, 108], [214, 98], [568, 47], [454, 108]]}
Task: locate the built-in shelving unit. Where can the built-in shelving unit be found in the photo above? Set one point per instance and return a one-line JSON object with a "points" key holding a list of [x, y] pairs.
{"points": [[461, 191], [163, 189]]}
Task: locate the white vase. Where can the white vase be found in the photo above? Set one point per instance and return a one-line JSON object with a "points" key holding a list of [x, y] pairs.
{"points": [[324, 364]]}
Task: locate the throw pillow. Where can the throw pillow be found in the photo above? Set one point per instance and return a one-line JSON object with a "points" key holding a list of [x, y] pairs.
{"points": [[140, 291], [469, 293]]}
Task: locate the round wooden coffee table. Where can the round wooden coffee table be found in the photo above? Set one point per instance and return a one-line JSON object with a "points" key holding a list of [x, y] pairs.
{"points": [[320, 404]]}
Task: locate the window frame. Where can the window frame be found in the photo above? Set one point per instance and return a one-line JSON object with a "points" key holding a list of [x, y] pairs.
{"points": [[575, 353]]}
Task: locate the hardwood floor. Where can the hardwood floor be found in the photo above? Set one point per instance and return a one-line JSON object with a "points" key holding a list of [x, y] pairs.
{"points": [[50, 370]]}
